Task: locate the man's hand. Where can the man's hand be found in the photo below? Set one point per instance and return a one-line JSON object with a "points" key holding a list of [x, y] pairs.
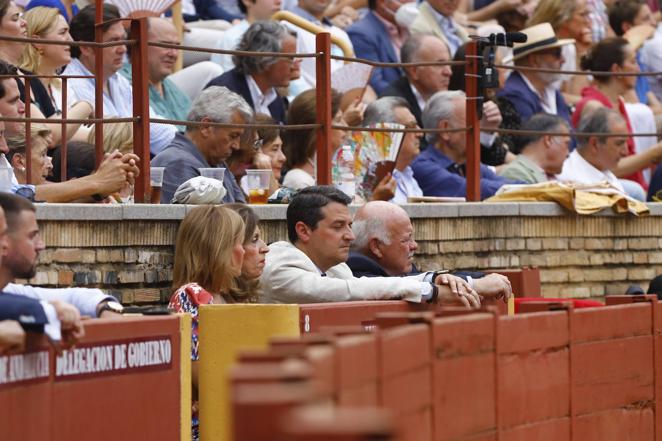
{"points": [[72, 327], [494, 286], [353, 115], [385, 190], [470, 298], [12, 337], [262, 161], [491, 116], [115, 171], [460, 291]]}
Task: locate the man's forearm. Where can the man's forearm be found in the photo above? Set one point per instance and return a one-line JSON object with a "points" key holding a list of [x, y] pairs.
{"points": [[66, 191]]}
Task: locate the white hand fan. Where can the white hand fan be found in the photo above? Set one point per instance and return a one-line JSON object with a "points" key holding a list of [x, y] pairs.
{"points": [[142, 8]]}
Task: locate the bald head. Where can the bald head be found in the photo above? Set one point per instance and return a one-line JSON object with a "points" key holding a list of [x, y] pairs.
{"points": [[161, 61], [384, 233]]}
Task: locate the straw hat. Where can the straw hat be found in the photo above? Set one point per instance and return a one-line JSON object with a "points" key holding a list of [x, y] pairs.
{"points": [[540, 37]]}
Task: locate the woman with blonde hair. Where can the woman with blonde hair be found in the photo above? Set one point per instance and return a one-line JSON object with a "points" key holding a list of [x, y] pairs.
{"points": [[41, 164], [209, 254], [49, 59], [116, 136]]}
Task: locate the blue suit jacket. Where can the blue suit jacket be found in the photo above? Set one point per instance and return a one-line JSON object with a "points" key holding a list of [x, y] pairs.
{"points": [[431, 170], [236, 82], [526, 102], [372, 42]]}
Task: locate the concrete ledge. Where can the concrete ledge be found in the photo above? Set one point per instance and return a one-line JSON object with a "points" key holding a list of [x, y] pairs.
{"points": [[101, 212]]}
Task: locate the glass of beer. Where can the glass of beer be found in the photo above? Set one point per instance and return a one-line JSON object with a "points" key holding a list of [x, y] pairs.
{"points": [[156, 182], [258, 185], [213, 172]]}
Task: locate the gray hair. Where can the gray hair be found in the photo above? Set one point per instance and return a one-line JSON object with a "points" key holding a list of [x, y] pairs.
{"points": [[219, 104], [543, 123], [383, 110], [596, 121], [439, 107], [261, 36], [410, 47], [366, 229]]}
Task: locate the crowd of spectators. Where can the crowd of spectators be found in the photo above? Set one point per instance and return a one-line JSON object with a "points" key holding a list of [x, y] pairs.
{"points": [[330, 255], [608, 37]]}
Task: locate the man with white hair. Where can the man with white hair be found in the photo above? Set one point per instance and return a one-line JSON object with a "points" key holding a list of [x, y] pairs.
{"points": [[440, 170], [393, 109], [205, 146], [384, 246]]}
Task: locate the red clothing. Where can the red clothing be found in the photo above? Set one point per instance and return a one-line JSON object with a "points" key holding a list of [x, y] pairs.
{"points": [[591, 93]]}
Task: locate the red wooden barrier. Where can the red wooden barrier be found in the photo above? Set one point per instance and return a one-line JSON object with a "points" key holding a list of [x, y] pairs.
{"points": [[123, 379]]}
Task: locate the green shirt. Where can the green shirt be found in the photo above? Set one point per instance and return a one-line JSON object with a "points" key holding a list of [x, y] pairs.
{"points": [[173, 104], [523, 169]]}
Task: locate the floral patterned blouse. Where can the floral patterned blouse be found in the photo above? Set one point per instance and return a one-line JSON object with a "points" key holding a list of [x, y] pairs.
{"points": [[187, 299]]}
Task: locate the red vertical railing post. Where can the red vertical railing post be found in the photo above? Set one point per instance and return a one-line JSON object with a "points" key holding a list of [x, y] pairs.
{"points": [[472, 121], [28, 131], [63, 145], [140, 107], [98, 82], [323, 104]]}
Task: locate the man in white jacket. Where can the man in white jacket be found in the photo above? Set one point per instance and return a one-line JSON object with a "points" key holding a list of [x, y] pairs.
{"points": [[311, 267]]}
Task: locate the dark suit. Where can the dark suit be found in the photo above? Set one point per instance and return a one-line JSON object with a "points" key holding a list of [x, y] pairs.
{"points": [[526, 102], [372, 42], [236, 82], [364, 266], [402, 88]]}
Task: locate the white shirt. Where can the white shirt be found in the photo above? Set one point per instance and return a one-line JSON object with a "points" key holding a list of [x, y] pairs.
{"points": [[547, 99], [261, 101], [419, 97], [642, 120], [229, 41], [119, 103], [406, 186], [85, 300], [577, 169]]}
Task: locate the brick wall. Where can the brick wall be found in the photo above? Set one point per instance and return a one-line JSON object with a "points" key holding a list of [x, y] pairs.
{"points": [[129, 250]]}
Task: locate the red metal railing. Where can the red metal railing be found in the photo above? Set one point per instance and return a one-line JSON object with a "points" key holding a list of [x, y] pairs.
{"points": [[141, 119]]}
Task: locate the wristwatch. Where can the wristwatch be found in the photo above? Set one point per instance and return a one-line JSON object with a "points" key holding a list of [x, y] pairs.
{"points": [[111, 306]]}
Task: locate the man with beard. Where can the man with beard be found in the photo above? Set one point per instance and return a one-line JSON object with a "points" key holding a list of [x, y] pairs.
{"points": [[536, 92], [19, 261]]}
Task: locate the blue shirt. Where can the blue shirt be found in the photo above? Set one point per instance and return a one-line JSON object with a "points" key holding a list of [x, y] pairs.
{"points": [[438, 175], [182, 161], [118, 103], [406, 185]]}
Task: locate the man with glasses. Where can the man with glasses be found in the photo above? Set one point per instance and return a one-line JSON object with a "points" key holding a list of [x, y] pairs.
{"points": [[256, 78], [534, 92], [392, 109], [542, 155], [384, 246]]}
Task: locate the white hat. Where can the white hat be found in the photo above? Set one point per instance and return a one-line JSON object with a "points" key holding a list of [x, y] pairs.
{"points": [[540, 37]]}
